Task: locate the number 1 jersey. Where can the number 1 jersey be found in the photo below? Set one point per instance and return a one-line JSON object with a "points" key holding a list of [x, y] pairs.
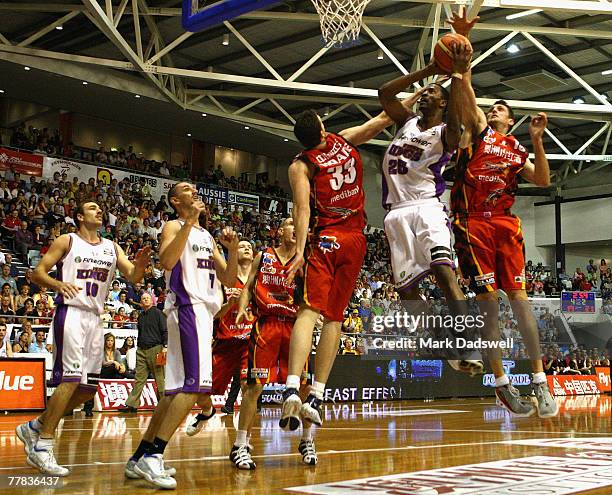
{"points": [[414, 164], [336, 188]]}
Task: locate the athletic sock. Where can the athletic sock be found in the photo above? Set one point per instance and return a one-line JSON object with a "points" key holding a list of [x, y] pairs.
{"points": [[293, 381], [144, 447], [36, 425], [306, 432], [502, 380], [318, 389], [44, 444], [539, 377], [159, 446], [241, 437]]}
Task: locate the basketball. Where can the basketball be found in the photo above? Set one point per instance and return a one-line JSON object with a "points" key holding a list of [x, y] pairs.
{"points": [[443, 55]]}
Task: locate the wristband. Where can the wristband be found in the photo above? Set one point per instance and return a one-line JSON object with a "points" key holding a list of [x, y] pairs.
{"points": [[457, 75]]}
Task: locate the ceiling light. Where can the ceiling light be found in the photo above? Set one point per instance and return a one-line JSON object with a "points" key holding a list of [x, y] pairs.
{"points": [[326, 111], [247, 127], [26, 68], [189, 134], [225, 41], [85, 83], [523, 14], [381, 55], [513, 48], [59, 28], [136, 96], [606, 72], [578, 100], [99, 142], [1, 91], [285, 140], [203, 115]]}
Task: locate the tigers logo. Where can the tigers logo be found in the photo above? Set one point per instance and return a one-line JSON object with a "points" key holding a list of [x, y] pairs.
{"points": [[327, 243], [267, 263]]}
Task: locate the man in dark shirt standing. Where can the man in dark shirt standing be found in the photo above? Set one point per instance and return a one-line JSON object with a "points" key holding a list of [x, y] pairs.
{"points": [[152, 339]]}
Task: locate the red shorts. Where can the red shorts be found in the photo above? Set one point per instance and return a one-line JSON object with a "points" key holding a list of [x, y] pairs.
{"points": [[333, 261], [491, 252], [229, 356], [269, 350]]}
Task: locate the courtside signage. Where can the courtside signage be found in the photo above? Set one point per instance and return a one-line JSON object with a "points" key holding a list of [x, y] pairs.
{"points": [[573, 384], [550, 475], [22, 384], [589, 443]]}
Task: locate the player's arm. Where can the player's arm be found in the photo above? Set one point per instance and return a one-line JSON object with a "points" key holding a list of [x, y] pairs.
{"points": [[299, 179], [247, 291], [229, 303], [363, 133], [41, 277], [387, 93], [537, 173], [227, 272], [134, 272], [462, 55]]}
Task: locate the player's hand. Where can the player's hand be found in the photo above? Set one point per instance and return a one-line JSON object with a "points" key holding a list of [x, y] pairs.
{"points": [[234, 295], [195, 211], [229, 239], [462, 56], [295, 268], [460, 22], [68, 290], [433, 69], [241, 316], [538, 125], [143, 257]]}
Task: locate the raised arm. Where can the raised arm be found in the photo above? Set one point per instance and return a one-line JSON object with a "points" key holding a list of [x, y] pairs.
{"points": [[40, 276], [227, 272], [300, 185], [538, 173], [462, 55], [387, 93], [174, 236], [247, 291]]}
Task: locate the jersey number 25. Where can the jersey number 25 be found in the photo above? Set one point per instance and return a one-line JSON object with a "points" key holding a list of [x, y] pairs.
{"points": [[342, 174]]}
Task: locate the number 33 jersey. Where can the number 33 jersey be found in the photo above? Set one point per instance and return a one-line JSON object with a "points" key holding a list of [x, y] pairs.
{"points": [[91, 267], [414, 164], [336, 188]]}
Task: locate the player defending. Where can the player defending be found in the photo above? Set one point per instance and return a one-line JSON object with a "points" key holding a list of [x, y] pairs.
{"points": [[327, 184], [269, 345], [230, 349], [488, 237], [194, 271], [85, 266]]}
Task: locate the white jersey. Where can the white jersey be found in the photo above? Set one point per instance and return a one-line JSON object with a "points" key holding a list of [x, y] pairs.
{"points": [[414, 164], [193, 279], [90, 267]]}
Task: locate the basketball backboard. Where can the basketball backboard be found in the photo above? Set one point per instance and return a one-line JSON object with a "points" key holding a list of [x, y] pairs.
{"points": [[201, 14]]}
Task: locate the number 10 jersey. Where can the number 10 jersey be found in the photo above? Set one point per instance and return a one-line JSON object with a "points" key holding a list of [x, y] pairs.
{"points": [[336, 188], [414, 164]]}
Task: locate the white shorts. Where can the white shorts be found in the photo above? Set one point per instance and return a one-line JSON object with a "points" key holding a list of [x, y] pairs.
{"points": [[419, 236], [78, 346], [189, 360]]}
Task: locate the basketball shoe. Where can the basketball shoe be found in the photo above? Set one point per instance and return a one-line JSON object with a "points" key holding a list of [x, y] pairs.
{"points": [[28, 435], [471, 367], [290, 414], [44, 461], [151, 468], [311, 410], [131, 473], [546, 404], [308, 451], [510, 398], [200, 420], [241, 457]]}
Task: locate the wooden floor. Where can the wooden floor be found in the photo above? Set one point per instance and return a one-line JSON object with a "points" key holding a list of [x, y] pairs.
{"points": [[358, 440]]}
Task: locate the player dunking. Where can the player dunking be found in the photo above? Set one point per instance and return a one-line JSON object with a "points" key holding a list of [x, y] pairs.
{"points": [[194, 269], [230, 349], [327, 184], [269, 345], [488, 237], [85, 269], [416, 224]]}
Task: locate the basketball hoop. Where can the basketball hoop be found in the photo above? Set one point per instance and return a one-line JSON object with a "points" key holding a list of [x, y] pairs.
{"points": [[340, 20]]}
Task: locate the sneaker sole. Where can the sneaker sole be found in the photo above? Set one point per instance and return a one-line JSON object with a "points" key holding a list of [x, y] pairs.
{"points": [[549, 415], [25, 443], [307, 413], [148, 479], [193, 433], [37, 467], [290, 419], [500, 403], [131, 474]]}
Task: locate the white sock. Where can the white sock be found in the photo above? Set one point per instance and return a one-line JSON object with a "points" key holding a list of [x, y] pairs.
{"points": [[44, 444], [539, 377], [318, 389], [241, 437], [293, 381], [306, 432], [502, 380], [36, 424]]}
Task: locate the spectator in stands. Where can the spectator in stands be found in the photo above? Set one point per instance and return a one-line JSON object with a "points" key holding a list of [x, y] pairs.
{"points": [[603, 267], [571, 365], [42, 295], [551, 365], [584, 363], [128, 343], [27, 280], [120, 318], [40, 346], [6, 278], [6, 310], [348, 347], [24, 240], [22, 346], [27, 309], [590, 268], [113, 366], [6, 291], [24, 294], [122, 303], [113, 294], [578, 279], [353, 323], [42, 313], [6, 349]]}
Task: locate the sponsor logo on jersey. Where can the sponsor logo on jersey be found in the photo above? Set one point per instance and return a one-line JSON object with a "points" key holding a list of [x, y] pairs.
{"points": [[489, 139], [206, 264], [108, 252], [519, 279], [197, 249], [503, 152], [491, 178], [95, 261], [484, 279], [267, 263], [78, 259], [327, 243], [344, 195]]}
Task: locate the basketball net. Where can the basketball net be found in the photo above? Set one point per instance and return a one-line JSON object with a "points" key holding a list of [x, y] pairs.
{"points": [[340, 20]]}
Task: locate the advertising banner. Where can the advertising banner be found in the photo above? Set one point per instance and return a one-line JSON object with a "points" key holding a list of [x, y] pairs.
{"points": [[273, 205], [211, 193], [243, 199], [602, 375], [24, 163], [573, 384], [22, 384]]}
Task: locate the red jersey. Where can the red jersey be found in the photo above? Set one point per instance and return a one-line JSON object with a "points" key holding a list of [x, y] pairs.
{"points": [[336, 188], [486, 173], [273, 296], [227, 328]]}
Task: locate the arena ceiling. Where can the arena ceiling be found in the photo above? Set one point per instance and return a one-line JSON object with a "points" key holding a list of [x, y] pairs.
{"points": [[275, 64]]}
